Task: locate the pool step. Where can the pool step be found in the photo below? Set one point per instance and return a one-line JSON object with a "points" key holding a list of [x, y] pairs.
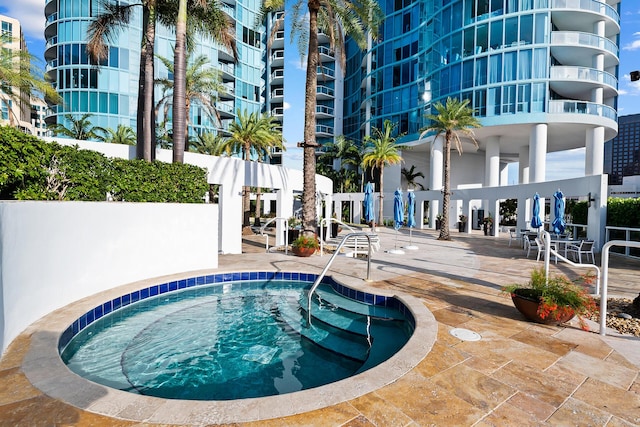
{"points": [[341, 341], [328, 295]]}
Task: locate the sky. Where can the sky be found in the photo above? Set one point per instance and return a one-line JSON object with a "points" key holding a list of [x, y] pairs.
{"points": [[567, 164]]}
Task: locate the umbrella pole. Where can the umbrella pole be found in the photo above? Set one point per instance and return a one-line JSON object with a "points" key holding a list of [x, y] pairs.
{"points": [[411, 246], [395, 250]]}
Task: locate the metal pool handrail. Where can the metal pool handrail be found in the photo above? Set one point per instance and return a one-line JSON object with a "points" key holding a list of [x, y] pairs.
{"points": [[605, 278], [326, 267], [286, 232]]}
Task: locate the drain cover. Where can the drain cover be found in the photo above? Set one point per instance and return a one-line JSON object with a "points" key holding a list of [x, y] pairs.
{"points": [[465, 334]]}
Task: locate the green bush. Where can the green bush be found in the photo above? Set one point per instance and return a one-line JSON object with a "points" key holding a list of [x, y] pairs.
{"points": [[31, 169], [623, 212]]}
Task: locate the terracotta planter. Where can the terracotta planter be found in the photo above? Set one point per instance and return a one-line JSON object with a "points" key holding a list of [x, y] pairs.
{"points": [[303, 252], [527, 303]]}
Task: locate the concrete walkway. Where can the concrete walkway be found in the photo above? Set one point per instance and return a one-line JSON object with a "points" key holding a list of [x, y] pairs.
{"points": [[518, 373]]}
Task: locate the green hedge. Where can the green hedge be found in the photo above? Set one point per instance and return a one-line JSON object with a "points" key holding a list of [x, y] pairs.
{"points": [[31, 169], [623, 212]]}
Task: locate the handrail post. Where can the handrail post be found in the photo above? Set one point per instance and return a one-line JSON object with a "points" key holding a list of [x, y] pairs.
{"points": [[316, 283]]}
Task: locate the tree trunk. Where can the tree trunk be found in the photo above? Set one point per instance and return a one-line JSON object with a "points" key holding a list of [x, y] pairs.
{"points": [[246, 191], [309, 220], [381, 210], [179, 84], [444, 230], [146, 120]]}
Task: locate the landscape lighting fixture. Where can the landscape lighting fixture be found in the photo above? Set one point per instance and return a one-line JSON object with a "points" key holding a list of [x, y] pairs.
{"points": [[635, 76]]}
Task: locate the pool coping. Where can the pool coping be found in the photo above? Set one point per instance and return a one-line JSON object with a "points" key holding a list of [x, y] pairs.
{"points": [[46, 371]]}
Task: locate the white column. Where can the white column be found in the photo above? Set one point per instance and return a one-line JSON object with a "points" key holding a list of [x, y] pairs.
{"points": [[492, 162], [437, 160], [523, 168], [284, 209], [594, 154], [504, 174], [538, 153], [436, 178]]}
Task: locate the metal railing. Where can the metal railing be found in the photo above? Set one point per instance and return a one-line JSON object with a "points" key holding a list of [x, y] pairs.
{"points": [[605, 274], [328, 221], [627, 237], [546, 241], [326, 268], [286, 233]]}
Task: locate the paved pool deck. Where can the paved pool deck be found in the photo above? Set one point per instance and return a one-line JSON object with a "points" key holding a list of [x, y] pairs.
{"points": [[519, 373]]}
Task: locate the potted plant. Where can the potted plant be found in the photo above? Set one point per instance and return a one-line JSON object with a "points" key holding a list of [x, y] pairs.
{"points": [[439, 219], [293, 225], [462, 223], [553, 300], [305, 246], [488, 225]]}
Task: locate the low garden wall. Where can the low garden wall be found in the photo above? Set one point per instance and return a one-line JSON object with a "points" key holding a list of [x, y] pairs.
{"points": [[54, 253]]}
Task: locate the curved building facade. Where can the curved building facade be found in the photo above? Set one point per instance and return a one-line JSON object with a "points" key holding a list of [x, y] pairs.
{"points": [[541, 75], [109, 92]]}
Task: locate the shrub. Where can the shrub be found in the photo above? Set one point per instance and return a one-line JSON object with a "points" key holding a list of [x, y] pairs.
{"points": [[31, 169]]}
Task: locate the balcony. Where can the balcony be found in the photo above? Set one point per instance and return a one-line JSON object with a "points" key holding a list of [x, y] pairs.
{"points": [[277, 77], [277, 112], [324, 112], [583, 107], [324, 73], [231, 11], [228, 92], [579, 48], [278, 40], [277, 95], [225, 109], [277, 58], [324, 130], [227, 71], [324, 92], [578, 82], [326, 54], [582, 15]]}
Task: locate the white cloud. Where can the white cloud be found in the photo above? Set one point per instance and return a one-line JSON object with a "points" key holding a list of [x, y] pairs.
{"points": [[30, 13], [286, 105], [634, 45]]}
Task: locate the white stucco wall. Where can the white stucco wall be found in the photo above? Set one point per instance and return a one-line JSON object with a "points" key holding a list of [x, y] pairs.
{"points": [[54, 253], [232, 174]]}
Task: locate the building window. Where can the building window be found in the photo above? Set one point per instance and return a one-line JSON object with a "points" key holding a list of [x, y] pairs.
{"points": [[7, 29]]}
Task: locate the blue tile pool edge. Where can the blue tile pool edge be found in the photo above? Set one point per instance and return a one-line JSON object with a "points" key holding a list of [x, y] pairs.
{"points": [[158, 289]]}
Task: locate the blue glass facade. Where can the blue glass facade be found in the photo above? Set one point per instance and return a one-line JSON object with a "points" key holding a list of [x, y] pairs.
{"points": [[511, 58], [109, 93]]}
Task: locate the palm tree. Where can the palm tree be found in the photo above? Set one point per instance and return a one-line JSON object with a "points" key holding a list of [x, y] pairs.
{"points": [[347, 153], [81, 128], [381, 150], [122, 135], [222, 29], [337, 19], [452, 119], [20, 77], [211, 144], [410, 176], [116, 16], [253, 134], [202, 85]]}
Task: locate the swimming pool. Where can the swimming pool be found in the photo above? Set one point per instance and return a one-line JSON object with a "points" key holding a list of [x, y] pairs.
{"points": [[234, 336]]}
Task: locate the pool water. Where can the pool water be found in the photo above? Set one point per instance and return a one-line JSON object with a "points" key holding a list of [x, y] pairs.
{"points": [[235, 340]]}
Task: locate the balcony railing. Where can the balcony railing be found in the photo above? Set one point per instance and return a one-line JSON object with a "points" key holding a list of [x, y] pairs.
{"points": [[582, 107], [584, 74], [570, 38], [592, 5], [324, 109], [324, 129], [325, 71], [324, 90]]}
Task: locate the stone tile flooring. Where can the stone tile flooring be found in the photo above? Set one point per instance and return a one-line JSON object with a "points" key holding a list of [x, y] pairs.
{"points": [[518, 374]]}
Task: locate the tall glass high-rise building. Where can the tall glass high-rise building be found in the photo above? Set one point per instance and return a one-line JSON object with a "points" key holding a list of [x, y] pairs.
{"points": [[109, 93], [541, 75], [622, 153]]}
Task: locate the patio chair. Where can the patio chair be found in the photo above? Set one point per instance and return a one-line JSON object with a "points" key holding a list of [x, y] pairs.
{"points": [[514, 236], [530, 241], [585, 247], [541, 249]]}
